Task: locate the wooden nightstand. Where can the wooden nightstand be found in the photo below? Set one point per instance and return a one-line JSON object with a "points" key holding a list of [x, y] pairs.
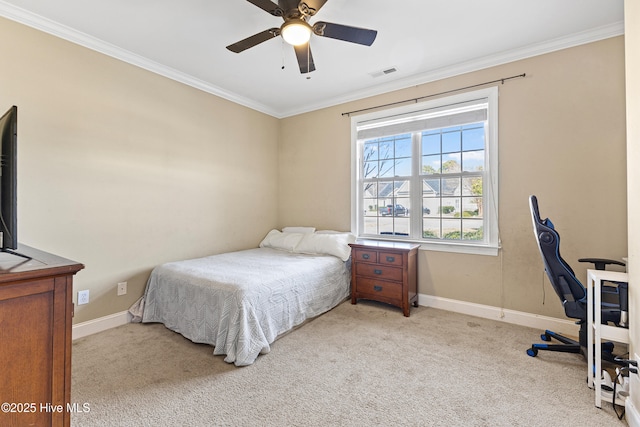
{"points": [[385, 272]]}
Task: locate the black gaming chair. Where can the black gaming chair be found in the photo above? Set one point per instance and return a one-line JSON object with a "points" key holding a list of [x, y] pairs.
{"points": [[571, 292]]}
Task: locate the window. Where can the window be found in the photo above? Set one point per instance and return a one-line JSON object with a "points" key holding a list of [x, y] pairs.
{"points": [[428, 173]]}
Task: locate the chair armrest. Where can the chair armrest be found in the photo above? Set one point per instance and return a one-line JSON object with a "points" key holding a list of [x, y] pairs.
{"points": [[601, 263]]}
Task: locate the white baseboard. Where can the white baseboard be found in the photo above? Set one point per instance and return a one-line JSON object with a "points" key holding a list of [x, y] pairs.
{"points": [[631, 414], [100, 324], [561, 326]]}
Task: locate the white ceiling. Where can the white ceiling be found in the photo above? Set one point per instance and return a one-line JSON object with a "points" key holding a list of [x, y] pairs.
{"points": [[424, 40]]}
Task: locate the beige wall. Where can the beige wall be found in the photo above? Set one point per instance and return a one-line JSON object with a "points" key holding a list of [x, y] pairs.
{"points": [[122, 169], [561, 137], [632, 58]]}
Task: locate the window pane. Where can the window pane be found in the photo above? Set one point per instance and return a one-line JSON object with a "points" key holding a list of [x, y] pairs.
{"points": [[370, 207], [369, 190], [386, 168], [451, 163], [431, 164], [403, 146], [473, 139], [451, 229], [473, 161], [472, 229], [431, 229], [472, 186], [370, 151], [386, 225], [450, 205], [451, 142], [403, 206], [430, 187], [471, 207], [451, 187], [371, 225], [401, 226], [430, 207], [385, 149], [431, 143], [370, 169], [403, 167]]}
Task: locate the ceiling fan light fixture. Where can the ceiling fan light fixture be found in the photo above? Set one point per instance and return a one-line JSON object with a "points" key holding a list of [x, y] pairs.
{"points": [[296, 32]]}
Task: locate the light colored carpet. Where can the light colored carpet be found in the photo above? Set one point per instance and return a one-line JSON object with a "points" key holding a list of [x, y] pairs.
{"points": [[357, 365]]}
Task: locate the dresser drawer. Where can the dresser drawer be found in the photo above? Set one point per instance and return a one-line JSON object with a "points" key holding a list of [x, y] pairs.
{"points": [[365, 255], [390, 258], [379, 289], [379, 271]]}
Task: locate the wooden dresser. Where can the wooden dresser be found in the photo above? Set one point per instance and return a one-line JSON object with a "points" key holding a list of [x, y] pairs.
{"points": [[35, 338], [385, 272]]}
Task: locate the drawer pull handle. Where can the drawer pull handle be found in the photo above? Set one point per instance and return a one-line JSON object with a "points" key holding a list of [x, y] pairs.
{"points": [[365, 256], [377, 288], [377, 271], [391, 258]]}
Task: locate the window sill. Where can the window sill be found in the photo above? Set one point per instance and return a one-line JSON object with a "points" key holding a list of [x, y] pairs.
{"points": [[460, 248]]}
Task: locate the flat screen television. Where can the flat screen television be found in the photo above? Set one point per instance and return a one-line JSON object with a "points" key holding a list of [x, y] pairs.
{"points": [[8, 178]]}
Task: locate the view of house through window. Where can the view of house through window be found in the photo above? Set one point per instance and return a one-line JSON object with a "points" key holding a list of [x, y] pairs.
{"points": [[426, 175]]}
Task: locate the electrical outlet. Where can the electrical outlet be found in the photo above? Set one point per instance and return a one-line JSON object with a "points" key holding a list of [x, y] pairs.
{"points": [[122, 288], [83, 297]]}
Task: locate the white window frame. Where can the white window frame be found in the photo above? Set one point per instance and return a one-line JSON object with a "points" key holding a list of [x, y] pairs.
{"points": [[491, 243]]}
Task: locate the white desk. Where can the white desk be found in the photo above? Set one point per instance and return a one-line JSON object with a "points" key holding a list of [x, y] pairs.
{"points": [[597, 332]]}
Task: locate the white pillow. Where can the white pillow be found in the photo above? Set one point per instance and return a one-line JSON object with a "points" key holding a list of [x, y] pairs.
{"points": [[278, 240], [336, 244], [303, 230]]}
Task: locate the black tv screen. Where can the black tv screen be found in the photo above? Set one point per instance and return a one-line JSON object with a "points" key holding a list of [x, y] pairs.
{"points": [[8, 178]]}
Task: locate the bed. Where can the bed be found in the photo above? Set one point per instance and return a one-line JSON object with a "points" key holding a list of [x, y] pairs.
{"points": [[241, 302]]}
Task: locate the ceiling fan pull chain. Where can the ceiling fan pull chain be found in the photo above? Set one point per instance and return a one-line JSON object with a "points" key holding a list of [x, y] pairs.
{"points": [[308, 60], [282, 53]]}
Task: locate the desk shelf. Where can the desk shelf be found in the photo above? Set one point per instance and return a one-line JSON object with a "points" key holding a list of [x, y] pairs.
{"points": [[596, 332]]}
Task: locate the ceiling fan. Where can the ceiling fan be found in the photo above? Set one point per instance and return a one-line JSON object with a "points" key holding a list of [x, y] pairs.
{"points": [[297, 30]]}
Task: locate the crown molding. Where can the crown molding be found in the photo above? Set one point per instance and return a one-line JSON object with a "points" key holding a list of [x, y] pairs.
{"points": [[67, 33], [576, 39], [56, 29]]}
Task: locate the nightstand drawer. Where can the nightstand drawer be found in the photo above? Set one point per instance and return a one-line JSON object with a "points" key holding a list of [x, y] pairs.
{"points": [[390, 258], [379, 271], [365, 255], [379, 289]]}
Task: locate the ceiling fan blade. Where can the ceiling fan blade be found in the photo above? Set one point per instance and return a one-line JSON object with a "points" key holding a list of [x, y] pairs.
{"points": [[305, 58], [313, 6], [345, 33], [254, 40], [269, 6]]}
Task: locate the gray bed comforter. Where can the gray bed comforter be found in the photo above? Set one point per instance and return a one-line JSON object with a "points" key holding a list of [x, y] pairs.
{"points": [[240, 302]]}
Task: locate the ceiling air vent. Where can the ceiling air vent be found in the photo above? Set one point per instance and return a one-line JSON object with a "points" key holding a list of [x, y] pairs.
{"points": [[384, 72]]}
